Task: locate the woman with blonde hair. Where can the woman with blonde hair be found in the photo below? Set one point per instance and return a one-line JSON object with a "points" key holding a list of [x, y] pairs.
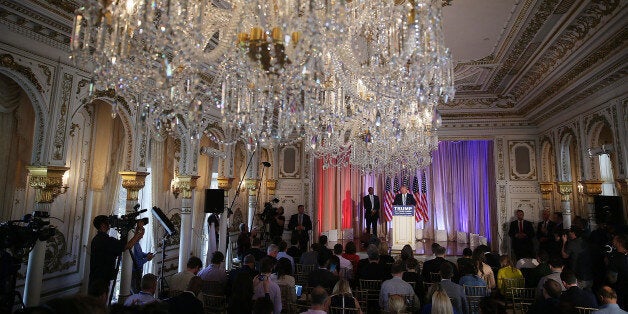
{"points": [[440, 302], [342, 296], [396, 304]]}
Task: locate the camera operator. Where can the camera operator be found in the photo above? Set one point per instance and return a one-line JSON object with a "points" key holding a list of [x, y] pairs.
{"points": [[139, 259], [105, 249], [277, 223]]}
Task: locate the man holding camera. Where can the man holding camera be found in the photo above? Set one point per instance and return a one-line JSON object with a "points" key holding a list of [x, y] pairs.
{"points": [[105, 249]]}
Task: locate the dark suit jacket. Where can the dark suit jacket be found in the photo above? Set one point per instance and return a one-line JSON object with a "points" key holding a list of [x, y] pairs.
{"points": [[323, 278], [550, 228], [528, 229], [433, 266], [185, 302], [409, 199], [294, 222], [368, 207], [578, 297]]}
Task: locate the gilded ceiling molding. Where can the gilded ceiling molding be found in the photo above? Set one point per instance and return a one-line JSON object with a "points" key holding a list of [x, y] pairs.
{"points": [[572, 38], [7, 60], [540, 18]]}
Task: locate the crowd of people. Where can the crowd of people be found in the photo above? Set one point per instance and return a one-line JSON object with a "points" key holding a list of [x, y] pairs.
{"points": [[571, 268]]}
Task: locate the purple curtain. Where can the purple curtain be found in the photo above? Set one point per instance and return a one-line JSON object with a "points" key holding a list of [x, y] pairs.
{"points": [[461, 193]]}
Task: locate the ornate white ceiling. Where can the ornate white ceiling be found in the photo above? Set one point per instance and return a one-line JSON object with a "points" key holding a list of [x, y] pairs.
{"points": [[522, 61]]}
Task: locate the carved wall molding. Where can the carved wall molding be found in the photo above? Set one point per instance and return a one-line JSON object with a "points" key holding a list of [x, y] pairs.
{"points": [[524, 189], [500, 159], [522, 156], [60, 133]]}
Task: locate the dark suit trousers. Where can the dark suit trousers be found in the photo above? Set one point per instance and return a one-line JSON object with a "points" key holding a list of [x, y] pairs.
{"points": [[371, 222]]}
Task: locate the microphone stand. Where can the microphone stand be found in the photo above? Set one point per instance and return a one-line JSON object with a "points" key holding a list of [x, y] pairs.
{"points": [[230, 211], [259, 187]]}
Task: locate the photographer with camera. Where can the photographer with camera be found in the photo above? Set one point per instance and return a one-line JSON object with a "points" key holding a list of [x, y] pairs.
{"points": [[139, 259], [105, 249]]}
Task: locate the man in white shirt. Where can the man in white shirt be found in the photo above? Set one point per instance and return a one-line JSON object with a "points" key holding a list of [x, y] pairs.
{"points": [[181, 280], [396, 285], [147, 295], [346, 268]]}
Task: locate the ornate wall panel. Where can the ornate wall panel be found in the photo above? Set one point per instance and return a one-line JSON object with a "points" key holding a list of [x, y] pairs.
{"points": [[522, 156]]}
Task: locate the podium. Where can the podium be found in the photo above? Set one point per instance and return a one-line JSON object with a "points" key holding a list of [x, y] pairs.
{"points": [[404, 226]]}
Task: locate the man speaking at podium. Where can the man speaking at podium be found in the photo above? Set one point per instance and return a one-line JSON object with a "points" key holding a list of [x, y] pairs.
{"points": [[404, 198]]}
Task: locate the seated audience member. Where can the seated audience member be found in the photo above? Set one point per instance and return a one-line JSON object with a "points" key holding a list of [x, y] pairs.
{"points": [[507, 271], [574, 295], [492, 259], [264, 287], [527, 260], [490, 305], [396, 285], [319, 301], [294, 250], [263, 306], [255, 249], [69, 304], [180, 281], [467, 258], [322, 276], [242, 292], [215, 271], [244, 241], [608, 301], [469, 273], [147, 295], [384, 254], [187, 301], [342, 296], [396, 304], [539, 271], [349, 254], [283, 246], [99, 289], [370, 268], [438, 301], [407, 254], [346, 268], [247, 269], [272, 251], [550, 302], [411, 275], [283, 276], [310, 258], [322, 241], [484, 270], [556, 266], [455, 291], [434, 265]]}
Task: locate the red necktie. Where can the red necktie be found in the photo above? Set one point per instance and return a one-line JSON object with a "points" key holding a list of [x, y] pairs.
{"points": [[520, 226]]}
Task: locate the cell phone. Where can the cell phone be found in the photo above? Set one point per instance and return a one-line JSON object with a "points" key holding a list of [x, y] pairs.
{"points": [[332, 267], [261, 277], [298, 289]]}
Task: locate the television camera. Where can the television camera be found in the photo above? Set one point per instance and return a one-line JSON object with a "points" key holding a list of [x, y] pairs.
{"points": [[17, 239], [268, 214], [125, 223]]}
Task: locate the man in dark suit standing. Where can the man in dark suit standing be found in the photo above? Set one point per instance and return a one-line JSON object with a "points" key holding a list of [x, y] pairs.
{"points": [[544, 231], [371, 211], [404, 198], [521, 233], [300, 224]]}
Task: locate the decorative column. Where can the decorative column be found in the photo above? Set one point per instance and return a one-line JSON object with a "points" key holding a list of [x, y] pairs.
{"points": [[547, 189], [186, 185], [47, 182], [132, 182], [565, 189], [251, 186], [225, 185], [591, 188], [271, 186], [622, 189]]}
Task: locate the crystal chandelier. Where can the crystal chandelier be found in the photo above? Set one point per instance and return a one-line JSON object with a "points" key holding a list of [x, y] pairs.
{"points": [[359, 81]]}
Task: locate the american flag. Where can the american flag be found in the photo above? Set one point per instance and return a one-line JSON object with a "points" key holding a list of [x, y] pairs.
{"points": [[388, 200], [420, 196]]}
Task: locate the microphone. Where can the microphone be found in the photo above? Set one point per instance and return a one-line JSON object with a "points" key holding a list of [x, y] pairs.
{"points": [[266, 164]]}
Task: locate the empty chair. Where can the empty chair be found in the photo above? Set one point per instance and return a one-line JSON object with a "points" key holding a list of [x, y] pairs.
{"points": [[345, 310], [214, 303], [585, 310], [522, 299]]}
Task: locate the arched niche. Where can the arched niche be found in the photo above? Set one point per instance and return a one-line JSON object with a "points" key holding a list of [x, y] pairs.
{"points": [[600, 134], [548, 161], [17, 132]]}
